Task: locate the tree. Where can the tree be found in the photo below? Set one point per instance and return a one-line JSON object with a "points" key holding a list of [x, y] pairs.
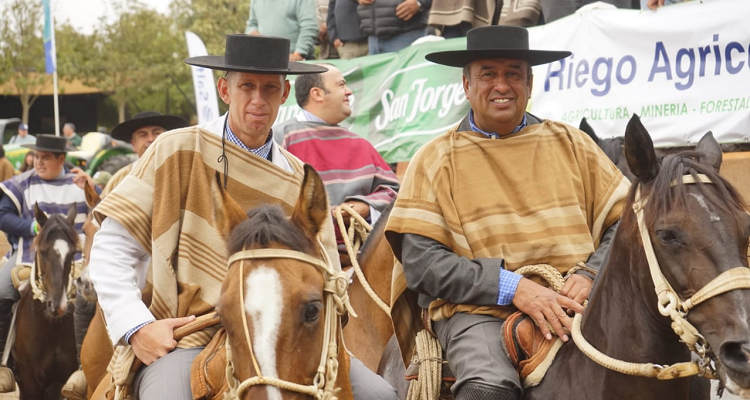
{"points": [[22, 51], [136, 52]]}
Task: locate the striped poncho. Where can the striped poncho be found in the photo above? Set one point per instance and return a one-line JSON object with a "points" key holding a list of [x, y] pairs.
{"points": [[349, 165], [167, 204], [54, 196], [544, 194]]}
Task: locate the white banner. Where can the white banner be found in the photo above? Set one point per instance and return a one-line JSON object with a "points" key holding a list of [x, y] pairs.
{"points": [[684, 69], [206, 104]]}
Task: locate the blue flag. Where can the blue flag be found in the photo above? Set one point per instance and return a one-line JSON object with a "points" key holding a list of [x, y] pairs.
{"points": [[50, 57]]}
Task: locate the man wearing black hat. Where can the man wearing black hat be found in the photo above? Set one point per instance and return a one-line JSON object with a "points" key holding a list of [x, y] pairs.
{"points": [[54, 189], [502, 190], [141, 131], [162, 213]]}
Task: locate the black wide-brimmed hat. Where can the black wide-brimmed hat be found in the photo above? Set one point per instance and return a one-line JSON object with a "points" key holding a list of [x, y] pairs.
{"points": [[496, 41], [256, 54], [124, 131], [51, 143]]}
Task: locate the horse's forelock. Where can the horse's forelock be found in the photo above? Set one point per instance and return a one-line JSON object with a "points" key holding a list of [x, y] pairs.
{"points": [[57, 227], [267, 225], [668, 198]]}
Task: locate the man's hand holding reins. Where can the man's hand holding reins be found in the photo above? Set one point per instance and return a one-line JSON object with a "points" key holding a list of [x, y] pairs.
{"points": [[577, 288], [156, 339], [545, 306]]}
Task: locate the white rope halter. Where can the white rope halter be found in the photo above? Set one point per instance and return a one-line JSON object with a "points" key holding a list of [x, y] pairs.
{"points": [[670, 305], [337, 303]]}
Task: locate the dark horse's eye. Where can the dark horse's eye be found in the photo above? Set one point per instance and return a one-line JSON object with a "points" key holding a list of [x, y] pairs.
{"points": [[312, 312], [666, 237]]}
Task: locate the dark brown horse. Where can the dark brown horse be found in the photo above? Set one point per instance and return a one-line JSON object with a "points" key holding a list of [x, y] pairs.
{"points": [[698, 232], [45, 350], [281, 299]]}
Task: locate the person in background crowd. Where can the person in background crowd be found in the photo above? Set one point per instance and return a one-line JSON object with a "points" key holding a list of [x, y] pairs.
{"points": [[502, 190], [555, 9], [291, 19], [69, 131], [352, 170], [28, 161], [55, 190], [327, 50], [6, 167], [654, 4], [391, 25], [22, 136], [344, 29]]}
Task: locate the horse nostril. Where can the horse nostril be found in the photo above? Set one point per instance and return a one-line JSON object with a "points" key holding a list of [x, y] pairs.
{"points": [[736, 355]]}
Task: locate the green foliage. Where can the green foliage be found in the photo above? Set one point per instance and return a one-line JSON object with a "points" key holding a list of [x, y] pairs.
{"points": [[22, 50]]}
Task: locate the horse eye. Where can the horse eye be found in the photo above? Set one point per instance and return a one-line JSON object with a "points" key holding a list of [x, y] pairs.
{"points": [[312, 312], [667, 237]]}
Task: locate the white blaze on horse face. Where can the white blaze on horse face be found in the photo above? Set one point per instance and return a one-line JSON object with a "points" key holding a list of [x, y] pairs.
{"points": [[712, 215], [62, 249], [263, 303]]}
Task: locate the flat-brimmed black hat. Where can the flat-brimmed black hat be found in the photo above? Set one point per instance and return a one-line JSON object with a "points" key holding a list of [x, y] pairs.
{"points": [[256, 54], [496, 41], [51, 143], [124, 131]]}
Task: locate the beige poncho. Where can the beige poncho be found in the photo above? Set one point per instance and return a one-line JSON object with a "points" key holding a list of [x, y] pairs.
{"points": [[542, 195]]}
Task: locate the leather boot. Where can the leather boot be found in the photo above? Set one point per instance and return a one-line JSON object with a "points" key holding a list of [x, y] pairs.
{"points": [[7, 379]]}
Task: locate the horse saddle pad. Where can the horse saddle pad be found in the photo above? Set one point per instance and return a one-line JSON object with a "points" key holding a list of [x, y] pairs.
{"points": [[208, 371], [527, 348]]}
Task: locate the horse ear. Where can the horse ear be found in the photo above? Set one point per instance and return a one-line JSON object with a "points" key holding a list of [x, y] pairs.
{"points": [[639, 150], [711, 151], [72, 212], [41, 217], [584, 126], [311, 210], [227, 212], [92, 198]]}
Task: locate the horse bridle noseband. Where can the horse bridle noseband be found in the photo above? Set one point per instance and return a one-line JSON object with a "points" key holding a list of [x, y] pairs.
{"points": [[670, 305], [337, 303], [37, 285]]}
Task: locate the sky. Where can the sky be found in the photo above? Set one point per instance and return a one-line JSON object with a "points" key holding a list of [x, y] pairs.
{"points": [[84, 15]]}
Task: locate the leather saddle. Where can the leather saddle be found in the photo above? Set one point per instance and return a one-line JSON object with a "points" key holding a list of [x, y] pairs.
{"points": [[528, 349]]}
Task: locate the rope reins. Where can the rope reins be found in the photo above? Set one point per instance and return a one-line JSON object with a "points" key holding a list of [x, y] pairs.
{"points": [[337, 303], [670, 305], [354, 238], [37, 284]]}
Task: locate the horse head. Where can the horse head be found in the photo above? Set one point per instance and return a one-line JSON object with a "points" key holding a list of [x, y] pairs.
{"points": [[56, 246], [274, 308], [696, 224]]}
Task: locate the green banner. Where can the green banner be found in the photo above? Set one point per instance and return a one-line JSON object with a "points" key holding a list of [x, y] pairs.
{"points": [[400, 100]]}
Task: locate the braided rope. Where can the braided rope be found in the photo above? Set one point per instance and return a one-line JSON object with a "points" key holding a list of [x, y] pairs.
{"points": [[358, 232], [429, 357]]}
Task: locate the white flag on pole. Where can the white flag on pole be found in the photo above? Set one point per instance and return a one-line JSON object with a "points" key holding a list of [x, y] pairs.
{"points": [[206, 104]]}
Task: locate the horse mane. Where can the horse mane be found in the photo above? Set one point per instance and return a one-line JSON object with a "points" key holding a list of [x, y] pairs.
{"points": [[57, 225], [719, 194], [370, 245], [266, 225]]}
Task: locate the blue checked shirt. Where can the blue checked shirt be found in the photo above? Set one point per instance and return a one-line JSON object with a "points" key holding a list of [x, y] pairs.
{"points": [[508, 280], [262, 151]]}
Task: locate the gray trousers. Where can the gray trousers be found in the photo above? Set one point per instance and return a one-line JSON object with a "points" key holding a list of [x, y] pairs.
{"points": [[169, 378], [7, 290], [473, 346]]}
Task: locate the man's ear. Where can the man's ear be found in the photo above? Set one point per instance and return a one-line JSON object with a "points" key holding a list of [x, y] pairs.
{"points": [[287, 89], [222, 85], [317, 93], [465, 81]]}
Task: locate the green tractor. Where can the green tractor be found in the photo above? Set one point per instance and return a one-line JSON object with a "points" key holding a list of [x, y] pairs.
{"points": [[98, 152]]}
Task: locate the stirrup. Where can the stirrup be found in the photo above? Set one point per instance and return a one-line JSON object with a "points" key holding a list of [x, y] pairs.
{"points": [[76, 386], [7, 380]]}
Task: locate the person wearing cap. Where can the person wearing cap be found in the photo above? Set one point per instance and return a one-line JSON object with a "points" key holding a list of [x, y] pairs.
{"points": [[22, 136], [141, 131], [55, 190], [502, 190], [168, 188]]}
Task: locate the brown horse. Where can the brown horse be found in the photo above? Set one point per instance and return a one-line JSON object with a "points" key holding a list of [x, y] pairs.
{"points": [[281, 298], [698, 231], [45, 349]]}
